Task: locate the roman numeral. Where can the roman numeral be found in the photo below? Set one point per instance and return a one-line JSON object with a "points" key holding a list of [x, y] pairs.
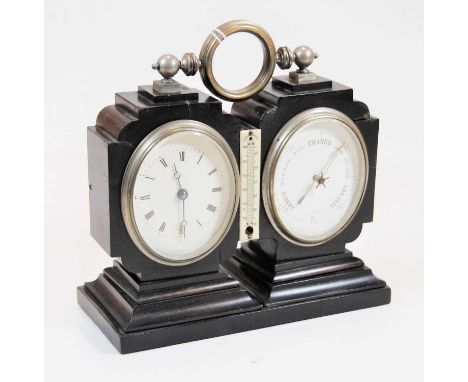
{"points": [[182, 155], [149, 215], [200, 224], [163, 226], [201, 156], [212, 171], [211, 208], [163, 162], [149, 177], [145, 197], [216, 189]]}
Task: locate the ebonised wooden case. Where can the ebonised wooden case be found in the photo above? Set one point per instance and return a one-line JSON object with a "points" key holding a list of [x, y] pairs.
{"points": [[137, 293], [274, 270], [140, 304]]}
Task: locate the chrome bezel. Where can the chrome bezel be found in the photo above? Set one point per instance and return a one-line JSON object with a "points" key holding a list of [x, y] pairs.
{"points": [[131, 171], [280, 141]]}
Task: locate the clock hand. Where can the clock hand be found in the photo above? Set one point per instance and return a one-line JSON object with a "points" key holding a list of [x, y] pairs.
{"points": [[177, 176], [182, 194], [319, 178], [183, 223], [182, 226]]}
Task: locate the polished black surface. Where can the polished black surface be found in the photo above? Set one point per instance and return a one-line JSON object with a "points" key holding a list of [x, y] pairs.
{"points": [[135, 321], [140, 304], [118, 131], [271, 268]]}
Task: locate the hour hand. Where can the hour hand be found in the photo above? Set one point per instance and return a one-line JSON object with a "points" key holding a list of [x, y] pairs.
{"points": [[177, 175]]}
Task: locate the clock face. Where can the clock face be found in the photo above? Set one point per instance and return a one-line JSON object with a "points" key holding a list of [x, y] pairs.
{"points": [[179, 193], [315, 176]]}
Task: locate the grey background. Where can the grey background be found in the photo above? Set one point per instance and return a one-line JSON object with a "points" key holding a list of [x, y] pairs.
{"points": [[95, 48]]}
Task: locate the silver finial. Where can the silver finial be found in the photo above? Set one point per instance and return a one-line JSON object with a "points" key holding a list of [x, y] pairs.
{"points": [[302, 56], [168, 65]]}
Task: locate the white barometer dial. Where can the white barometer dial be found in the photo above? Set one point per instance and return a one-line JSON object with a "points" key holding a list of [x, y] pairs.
{"points": [[180, 192], [315, 176]]}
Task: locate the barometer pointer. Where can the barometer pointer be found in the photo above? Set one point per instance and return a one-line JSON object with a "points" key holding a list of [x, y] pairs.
{"points": [[319, 178]]}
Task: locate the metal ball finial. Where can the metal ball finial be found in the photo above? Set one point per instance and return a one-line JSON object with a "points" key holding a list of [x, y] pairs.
{"points": [[303, 57], [167, 65]]}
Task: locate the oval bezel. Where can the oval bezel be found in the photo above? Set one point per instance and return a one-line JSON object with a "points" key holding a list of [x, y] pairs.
{"points": [[277, 147], [131, 171]]}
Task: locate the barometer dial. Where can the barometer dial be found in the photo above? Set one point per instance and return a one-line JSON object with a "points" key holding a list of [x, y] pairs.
{"points": [[315, 176], [180, 192]]}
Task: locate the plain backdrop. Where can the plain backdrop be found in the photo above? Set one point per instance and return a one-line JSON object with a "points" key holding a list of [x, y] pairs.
{"points": [[96, 48]]}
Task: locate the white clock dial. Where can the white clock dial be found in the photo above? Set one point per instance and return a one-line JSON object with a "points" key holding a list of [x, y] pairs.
{"points": [[179, 194], [315, 176]]}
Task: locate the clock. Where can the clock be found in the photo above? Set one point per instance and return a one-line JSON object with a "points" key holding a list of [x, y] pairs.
{"points": [[315, 176], [164, 196], [225, 222], [180, 192]]}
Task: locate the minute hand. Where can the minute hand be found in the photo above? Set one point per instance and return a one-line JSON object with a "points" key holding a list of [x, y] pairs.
{"points": [[181, 196], [324, 169]]}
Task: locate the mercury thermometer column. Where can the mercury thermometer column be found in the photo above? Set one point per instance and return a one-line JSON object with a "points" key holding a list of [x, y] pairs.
{"points": [[250, 184]]}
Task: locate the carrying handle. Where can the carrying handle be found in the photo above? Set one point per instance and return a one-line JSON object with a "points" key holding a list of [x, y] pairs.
{"points": [[168, 65]]}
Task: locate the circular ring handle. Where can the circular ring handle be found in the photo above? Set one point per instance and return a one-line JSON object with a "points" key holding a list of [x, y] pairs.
{"points": [[212, 42]]}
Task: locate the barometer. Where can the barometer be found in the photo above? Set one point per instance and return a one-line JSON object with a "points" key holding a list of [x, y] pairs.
{"points": [[315, 176], [318, 164]]}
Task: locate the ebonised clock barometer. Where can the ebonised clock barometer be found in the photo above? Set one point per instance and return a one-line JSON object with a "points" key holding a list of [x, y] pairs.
{"points": [[227, 222]]}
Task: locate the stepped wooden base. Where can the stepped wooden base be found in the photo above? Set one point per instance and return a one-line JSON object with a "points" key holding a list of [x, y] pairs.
{"points": [[278, 283], [139, 316]]}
